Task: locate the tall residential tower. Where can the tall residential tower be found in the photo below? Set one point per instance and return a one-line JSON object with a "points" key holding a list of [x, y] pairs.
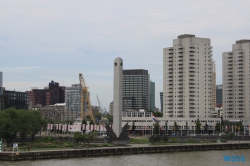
{"points": [[187, 73], [236, 81]]}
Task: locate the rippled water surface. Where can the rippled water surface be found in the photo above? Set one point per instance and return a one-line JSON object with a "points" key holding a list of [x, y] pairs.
{"points": [[203, 158]]}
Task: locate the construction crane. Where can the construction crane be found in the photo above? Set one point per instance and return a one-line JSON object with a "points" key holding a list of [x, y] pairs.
{"points": [[100, 105], [86, 108]]}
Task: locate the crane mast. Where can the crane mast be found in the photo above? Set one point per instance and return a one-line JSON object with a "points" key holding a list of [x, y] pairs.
{"points": [[100, 105], [86, 108]]}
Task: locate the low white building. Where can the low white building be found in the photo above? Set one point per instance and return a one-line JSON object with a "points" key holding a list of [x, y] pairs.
{"points": [[144, 123]]}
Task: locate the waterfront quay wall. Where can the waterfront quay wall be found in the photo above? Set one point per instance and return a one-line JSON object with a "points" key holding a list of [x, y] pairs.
{"points": [[9, 156]]}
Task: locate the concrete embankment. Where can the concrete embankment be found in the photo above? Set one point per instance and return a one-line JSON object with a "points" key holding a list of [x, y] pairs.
{"points": [[9, 156]]}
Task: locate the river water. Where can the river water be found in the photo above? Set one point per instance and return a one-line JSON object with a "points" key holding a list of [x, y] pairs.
{"points": [[202, 158]]}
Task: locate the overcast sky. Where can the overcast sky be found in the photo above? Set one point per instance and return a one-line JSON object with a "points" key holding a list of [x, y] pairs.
{"points": [[44, 40]]}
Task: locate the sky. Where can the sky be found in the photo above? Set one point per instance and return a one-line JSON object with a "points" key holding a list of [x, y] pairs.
{"points": [[46, 40]]}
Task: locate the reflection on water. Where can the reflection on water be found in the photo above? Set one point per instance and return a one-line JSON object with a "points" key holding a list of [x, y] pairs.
{"points": [[204, 158]]}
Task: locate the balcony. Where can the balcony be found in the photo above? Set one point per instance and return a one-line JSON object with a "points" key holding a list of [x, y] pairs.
{"points": [[191, 108], [170, 112], [192, 112], [180, 116], [192, 116]]}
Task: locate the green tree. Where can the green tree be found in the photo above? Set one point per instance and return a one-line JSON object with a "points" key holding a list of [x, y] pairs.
{"points": [[98, 116], [164, 138], [156, 127], [198, 126], [110, 118], [152, 139], [176, 127], [218, 127], [24, 118], [9, 125], [37, 123], [78, 137]]}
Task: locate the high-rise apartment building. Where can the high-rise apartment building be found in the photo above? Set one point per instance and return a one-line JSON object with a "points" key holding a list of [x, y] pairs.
{"points": [[219, 92], [152, 95], [135, 90], [72, 102], [213, 85], [236, 81], [187, 73]]}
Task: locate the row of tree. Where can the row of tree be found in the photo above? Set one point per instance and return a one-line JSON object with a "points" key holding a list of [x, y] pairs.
{"points": [[20, 122]]}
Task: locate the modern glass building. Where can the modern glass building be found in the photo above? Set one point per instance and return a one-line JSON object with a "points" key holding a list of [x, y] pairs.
{"points": [[152, 95], [219, 95], [135, 90]]}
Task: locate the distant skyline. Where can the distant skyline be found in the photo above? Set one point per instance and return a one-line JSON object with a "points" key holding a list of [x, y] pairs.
{"points": [[46, 40]]}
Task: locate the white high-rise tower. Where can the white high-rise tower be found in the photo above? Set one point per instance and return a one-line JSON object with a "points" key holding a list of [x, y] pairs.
{"points": [[117, 114], [187, 73], [236, 82]]}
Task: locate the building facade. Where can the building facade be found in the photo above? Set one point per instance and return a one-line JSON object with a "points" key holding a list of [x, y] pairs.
{"points": [[236, 82], [135, 90], [111, 108], [219, 92], [161, 100], [73, 102], [144, 122], [14, 99], [152, 95], [213, 85], [188, 68], [50, 95], [53, 112]]}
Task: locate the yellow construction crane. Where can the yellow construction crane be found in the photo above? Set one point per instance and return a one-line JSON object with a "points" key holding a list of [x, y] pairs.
{"points": [[86, 108]]}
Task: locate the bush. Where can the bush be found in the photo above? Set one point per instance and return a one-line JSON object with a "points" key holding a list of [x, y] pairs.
{"points": [[48, 139]]}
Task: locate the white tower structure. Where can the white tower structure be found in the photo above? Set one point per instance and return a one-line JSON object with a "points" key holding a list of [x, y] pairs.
{"points": [[117, 114], [188, 68]]}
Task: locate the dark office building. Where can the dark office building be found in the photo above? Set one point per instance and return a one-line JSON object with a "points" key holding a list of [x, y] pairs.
{"points": [[152, 95], [219, 95], [135, 90], [13, 99], [51, 95], [1, 98], [161, 99]]}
